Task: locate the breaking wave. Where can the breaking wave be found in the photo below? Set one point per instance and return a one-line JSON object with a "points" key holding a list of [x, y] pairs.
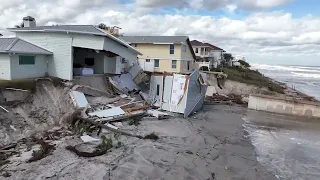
{"points": [[305, 75], [285, 68]]}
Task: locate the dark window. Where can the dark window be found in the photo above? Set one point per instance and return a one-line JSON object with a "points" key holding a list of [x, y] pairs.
{"points": [[89, 61], [26, 60], [188, 64], [174, 64], [171, 48], [158, 89], [156, 63], [147, 60], [197, 50]]}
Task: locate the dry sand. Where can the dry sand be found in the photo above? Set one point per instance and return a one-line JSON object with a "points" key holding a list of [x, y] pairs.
{"points": [[211, 145]]}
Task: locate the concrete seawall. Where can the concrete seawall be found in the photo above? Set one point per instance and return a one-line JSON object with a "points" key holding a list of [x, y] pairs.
{"points": [[284, 105]]}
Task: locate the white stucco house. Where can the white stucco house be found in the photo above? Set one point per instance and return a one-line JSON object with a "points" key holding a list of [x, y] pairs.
{"points": [[71, 50]]}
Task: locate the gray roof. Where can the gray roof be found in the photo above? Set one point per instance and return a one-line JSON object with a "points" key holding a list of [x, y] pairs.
{"points": [[81, 29], [155, 39], [16, 45], [197, 43], [87, 29]]}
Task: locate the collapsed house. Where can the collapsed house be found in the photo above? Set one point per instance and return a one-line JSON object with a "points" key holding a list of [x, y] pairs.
{"points": [[63, 51], [178, 93]]}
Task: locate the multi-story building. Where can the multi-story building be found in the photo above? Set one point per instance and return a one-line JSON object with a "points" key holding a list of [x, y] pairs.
{"points": [[207, 54], [163, 53]]}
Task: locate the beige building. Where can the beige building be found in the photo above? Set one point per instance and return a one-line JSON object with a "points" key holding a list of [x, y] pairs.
{"points": [[163, 53]]}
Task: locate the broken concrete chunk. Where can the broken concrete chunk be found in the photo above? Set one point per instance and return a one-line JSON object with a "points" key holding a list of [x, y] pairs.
{"points": [[157, 113], [118, 124], [79, 99], [116, 111], [111, 126], [88, 139], [91, 91]]}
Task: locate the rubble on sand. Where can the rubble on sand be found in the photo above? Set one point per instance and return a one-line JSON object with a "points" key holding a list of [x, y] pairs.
{"points": [[151, 136], [90, 122], [226, 99], [44, 151]]}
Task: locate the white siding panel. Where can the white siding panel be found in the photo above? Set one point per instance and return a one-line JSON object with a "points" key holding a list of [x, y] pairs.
{"points": [[155, 82], [88, 41], [110, 65], [115, 47], [5, 67], [60, 44], [39, 69]]}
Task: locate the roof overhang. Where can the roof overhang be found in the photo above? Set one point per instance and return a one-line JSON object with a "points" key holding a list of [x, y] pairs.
{"points": [[79, 32], [20, 52]]}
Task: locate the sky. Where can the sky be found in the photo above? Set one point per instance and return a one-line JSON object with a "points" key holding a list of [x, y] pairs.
{"points": [[264, 31]]}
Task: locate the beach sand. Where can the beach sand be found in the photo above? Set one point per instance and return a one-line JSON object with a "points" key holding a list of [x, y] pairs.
{"points": [[210, 145]]}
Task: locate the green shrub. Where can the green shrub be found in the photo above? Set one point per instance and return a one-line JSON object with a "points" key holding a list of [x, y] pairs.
{"points": [[251, 77], [243, 63]]}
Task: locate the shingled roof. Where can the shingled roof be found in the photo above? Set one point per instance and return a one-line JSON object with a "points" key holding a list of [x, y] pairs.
{"points": [[198, 43]]}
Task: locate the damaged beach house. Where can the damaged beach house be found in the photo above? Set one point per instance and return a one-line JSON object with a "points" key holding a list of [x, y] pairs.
{"points": [[110, 76], [175, 85]]}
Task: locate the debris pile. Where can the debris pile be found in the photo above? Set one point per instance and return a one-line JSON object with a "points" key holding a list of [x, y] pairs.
{"points": [[225, 99], [88, 121]]}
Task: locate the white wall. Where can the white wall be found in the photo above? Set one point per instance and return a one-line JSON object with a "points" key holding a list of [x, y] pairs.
{"points": [[217, 55], [61, 46], [166, 104], [154, 82], [81, 54], [88, 41], [110, 65], [39, 69], [5, 73], [284, 105], [115, 47]]}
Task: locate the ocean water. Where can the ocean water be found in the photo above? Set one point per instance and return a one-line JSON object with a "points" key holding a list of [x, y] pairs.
{"points": [[288, 146], [305, 79]]}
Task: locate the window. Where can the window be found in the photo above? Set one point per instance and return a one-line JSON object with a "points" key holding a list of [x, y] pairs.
{"points": [[26, 60], [158, 89], [174, 64], [89, 61], [188, 64], [183, 48], [197, 50], [147, 60], [202, 51], [156, 63], [171, 48]]}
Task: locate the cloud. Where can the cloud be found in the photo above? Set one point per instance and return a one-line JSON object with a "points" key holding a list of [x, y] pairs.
{"points": [[261, 4], [194, 4], [213, 4], [270, 35]]}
